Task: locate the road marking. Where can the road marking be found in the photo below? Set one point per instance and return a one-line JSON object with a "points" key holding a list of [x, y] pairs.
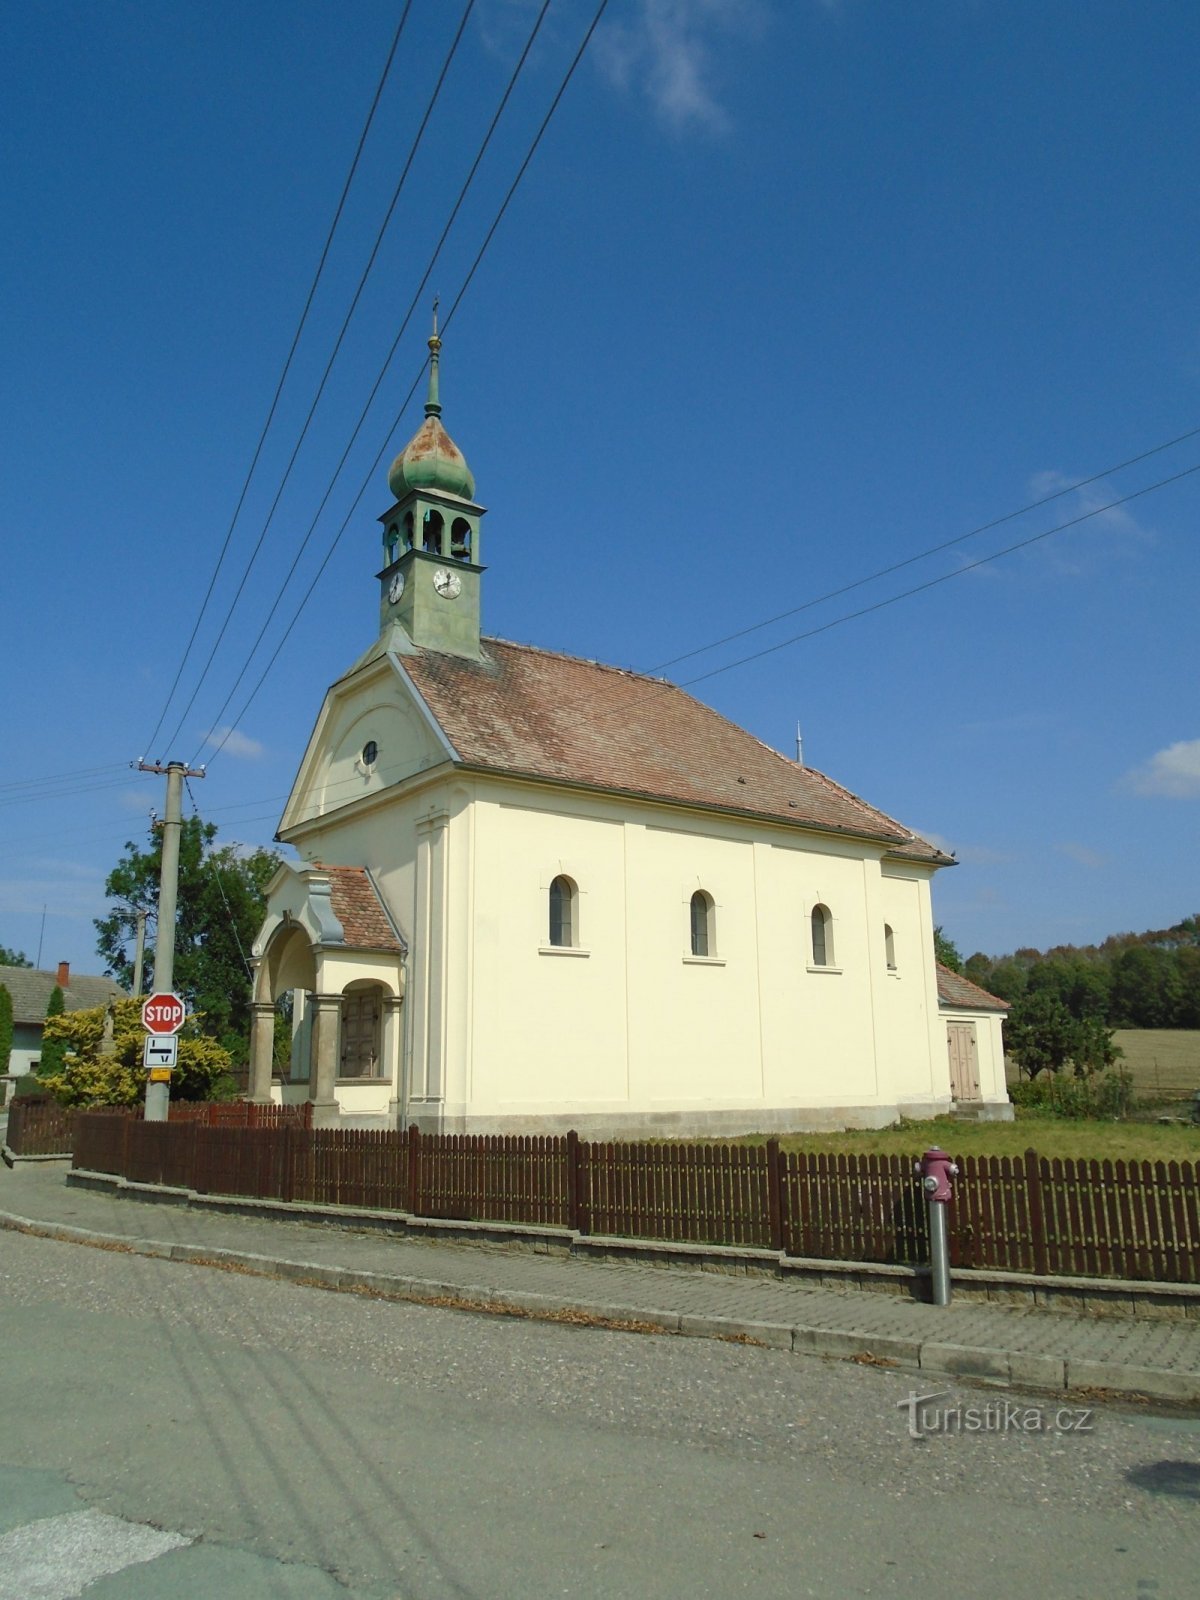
{"points": [[57, 1557]]}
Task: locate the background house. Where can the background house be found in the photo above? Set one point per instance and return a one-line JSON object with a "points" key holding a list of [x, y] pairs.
{"points": [[31, 989]]}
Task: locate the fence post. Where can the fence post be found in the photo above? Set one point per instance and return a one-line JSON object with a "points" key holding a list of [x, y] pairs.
{"points": [[775, 1194], [286, 1179], [414, 1158], [573, 1181], [1037, 1213]]}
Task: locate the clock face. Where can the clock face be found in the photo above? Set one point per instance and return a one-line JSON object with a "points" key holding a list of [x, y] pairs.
{"points": [[396, 588], [447, 584]]}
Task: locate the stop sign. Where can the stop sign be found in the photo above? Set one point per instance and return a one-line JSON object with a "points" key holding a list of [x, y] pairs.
{"points": [[163, 1013]]}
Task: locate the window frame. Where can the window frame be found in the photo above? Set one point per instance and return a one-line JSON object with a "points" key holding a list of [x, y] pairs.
{"points": [[821, 916], [563, 888]]}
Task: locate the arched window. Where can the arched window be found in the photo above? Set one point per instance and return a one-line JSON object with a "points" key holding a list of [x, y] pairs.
{"points": [[703, 924], [889, 945], [460, 539], [393, 544], [408, 530], [432, 535], [563, 931], [822, 937]]}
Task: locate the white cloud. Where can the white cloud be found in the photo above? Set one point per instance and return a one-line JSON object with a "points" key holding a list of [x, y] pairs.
{"points": [[233, 743], [1111, 530], [1081, 854], [1173, 773], [668, 53]]}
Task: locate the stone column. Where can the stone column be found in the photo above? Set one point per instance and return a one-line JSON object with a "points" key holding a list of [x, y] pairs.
{"points": [[262, 1050], [393, 1054], [326, 1031]]}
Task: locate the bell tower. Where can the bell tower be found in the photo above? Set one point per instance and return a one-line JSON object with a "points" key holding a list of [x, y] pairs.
{"points": [[431, 570]]}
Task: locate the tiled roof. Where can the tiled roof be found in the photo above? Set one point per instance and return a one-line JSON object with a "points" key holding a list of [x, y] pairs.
{"points": [[955, 990], [358, 908], [533, 713], [31, 990]]}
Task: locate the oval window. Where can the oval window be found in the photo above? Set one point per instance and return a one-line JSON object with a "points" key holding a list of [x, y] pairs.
{"points": [[369, 751]]}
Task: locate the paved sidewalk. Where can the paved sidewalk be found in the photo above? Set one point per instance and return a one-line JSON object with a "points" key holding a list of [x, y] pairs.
{"points": [[1026, 1347]]}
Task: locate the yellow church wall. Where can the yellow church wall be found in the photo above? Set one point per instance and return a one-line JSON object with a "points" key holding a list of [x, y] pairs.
{"points": [[912, 1037], [693, 1021], [499, 1029], [818, 1024], [629, 1022], [548, 1027]]}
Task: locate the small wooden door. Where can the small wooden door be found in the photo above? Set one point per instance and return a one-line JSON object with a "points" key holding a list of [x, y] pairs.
{"points": [[964, 1060], [361, 1011]]}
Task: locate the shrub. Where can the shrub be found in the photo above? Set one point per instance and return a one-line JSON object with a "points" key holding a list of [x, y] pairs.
{"points": [[1104, 1094], [90, 1078]]}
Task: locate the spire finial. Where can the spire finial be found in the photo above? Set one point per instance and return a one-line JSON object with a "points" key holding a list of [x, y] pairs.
{"points": [[433, 405]]}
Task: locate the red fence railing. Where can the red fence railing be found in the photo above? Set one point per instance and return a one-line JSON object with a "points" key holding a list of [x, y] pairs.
{"points": [[1135, 1219]]}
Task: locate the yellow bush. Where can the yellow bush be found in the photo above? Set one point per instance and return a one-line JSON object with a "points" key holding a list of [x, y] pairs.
{"points": [[90, 1078]]}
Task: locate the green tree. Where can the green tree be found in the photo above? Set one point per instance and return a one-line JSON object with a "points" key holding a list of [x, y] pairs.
{"points": [[1041, 1035], [6, 1028], [946, 950], [220, 907], [51, 1060], [13, 958]]}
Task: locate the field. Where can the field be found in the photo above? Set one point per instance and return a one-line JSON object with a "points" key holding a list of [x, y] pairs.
{"points": [[1115, 1141], [1165, 1062]]}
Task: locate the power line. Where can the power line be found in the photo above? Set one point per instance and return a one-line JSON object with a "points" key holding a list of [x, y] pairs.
{"points": [[933, 550], [370, 400], [57, 778], [54, 792], [237, 510], [287, 473], [945, 577], [600, 10]]}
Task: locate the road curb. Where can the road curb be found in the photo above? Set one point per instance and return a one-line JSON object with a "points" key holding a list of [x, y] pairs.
{"points": [[936, 1357]]}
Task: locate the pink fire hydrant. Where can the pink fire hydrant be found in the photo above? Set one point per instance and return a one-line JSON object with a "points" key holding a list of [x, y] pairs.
{"points": [[936, 1170]]}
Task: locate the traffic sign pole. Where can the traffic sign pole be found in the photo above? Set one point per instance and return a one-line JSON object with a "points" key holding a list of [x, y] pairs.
{"points": [[158, 1094]]}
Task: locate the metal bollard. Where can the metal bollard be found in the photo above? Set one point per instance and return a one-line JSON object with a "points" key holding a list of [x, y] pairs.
{"points": [[935, 1170]]}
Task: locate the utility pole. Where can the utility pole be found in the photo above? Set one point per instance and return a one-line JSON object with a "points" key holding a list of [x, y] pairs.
{"points": [[158, 1095], [139, 955]]}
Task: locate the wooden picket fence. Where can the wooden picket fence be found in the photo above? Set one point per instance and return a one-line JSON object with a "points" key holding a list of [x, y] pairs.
{"points": [[1124, 1219], [39, 1128], [44, 1128]]}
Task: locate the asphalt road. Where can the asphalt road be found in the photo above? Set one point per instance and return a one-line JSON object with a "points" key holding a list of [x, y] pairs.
{"points": [[296, 1443]]}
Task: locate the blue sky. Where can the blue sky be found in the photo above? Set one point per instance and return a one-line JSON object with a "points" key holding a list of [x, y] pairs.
{"points": [[792, 291]]}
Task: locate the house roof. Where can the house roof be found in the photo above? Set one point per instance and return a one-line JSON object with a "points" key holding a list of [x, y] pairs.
{"points": [[31, 990], [358, 907], [955, 990], [534, 713]]}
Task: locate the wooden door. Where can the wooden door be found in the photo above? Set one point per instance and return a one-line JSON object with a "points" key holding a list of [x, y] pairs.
{"points": [[360, 1033], [964, 1060]]}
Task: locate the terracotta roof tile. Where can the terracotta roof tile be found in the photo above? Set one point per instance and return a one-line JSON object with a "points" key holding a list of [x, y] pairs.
{"points": [[358, 908], [534, 713], [955, 990]]}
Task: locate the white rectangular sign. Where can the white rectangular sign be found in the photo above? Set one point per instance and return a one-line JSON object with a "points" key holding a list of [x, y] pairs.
{"points": [[160, 1050]]}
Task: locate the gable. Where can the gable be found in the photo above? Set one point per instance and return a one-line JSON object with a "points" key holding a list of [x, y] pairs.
{"points": [[373, 734]]}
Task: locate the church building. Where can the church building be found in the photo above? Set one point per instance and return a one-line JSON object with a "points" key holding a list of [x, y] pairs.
{"points": [[537, 893]]}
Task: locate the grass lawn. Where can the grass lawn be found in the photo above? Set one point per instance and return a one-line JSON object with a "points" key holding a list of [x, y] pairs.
{"points": [[1125, 1141]]}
